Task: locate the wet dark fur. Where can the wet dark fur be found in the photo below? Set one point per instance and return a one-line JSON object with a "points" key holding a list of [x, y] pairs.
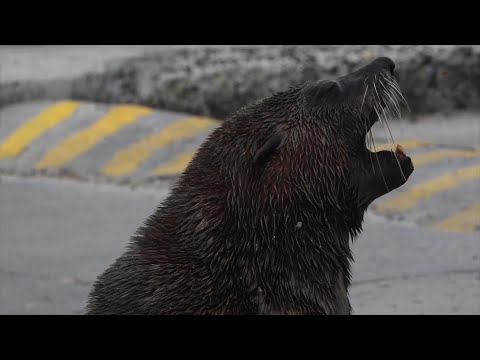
{"points": [[260, 221]]}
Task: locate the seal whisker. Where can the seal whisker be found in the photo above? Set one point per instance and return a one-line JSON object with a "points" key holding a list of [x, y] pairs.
{"points": [[361, 109], [375, 106], [363, 100], [396, 157], [368, 133], [376, 155], [376, 92], [393, 82], [388, 109], [372, 142], [384, 111], [397, 89], [384, 121], [393, 95], [379, 104], [394, 145], [369, 140], [394, 103]]}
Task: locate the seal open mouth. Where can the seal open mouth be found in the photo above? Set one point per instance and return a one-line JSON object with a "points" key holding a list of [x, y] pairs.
{"points": [[380, 96]]}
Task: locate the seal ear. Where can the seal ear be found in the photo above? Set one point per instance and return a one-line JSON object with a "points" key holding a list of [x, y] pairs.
{"points": [[319, 90], [268, 148], [326, 86]]}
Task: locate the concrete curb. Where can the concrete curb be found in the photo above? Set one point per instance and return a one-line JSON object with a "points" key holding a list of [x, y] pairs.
{"points": [[217, 81]]}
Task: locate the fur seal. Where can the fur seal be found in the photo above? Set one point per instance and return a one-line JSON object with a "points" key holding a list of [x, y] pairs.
{"points": [[260, 221]]}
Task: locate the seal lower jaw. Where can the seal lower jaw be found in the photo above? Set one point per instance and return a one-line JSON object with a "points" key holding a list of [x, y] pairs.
{"points": [[399, 153]]}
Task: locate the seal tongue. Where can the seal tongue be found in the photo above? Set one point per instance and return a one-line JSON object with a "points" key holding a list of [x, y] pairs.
{"points": [[400, 152]]}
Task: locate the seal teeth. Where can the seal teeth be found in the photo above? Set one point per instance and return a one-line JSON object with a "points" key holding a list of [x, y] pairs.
{"points": [[400, 151]]}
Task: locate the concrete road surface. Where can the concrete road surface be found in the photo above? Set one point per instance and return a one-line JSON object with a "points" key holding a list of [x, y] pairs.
{"points": [[57, 235]]}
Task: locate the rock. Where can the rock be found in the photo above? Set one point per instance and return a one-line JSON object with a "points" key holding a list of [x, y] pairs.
{"points": [[217, 82]]}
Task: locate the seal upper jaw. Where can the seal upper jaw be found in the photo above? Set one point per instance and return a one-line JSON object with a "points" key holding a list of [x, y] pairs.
{"points": [[372, 120]]}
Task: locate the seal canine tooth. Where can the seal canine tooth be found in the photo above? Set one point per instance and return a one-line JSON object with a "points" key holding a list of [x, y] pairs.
{"points": [[400, 151]]}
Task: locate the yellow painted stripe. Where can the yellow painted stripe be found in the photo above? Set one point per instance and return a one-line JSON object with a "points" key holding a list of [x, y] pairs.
{"points": [[407, 144], [464, 221], [178, 164], [428, 188], [84, 140], [175, 166], [422, 159], [127, 160], [35, 127]]}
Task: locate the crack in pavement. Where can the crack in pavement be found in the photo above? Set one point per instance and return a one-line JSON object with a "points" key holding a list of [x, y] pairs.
{"points": [[14, 273], [86, 283], [151, 183], [65, 280], [417, 276]]}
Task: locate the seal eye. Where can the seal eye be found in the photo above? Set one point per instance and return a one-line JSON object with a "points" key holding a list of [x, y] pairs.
{"points": [[392, 67]]}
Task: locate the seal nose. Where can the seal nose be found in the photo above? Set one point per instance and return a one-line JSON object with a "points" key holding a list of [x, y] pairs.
{"points": [[408, 165], [385, 63]]}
